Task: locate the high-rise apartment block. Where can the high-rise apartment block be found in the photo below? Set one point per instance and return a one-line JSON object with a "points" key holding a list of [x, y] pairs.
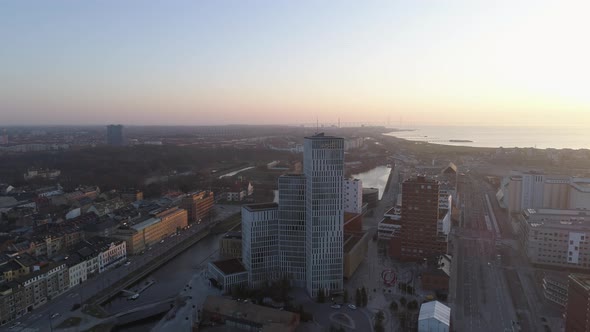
{"points": [[577, 310], [353, 196], [323, 165], [115, 135], [421, 234], [301, 237]]}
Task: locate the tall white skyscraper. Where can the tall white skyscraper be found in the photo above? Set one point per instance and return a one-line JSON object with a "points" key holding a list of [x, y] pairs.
{"points": [[292, 228], [323, 164]]}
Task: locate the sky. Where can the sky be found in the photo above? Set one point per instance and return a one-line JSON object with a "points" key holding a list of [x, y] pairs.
{"points": [[292, 62]]}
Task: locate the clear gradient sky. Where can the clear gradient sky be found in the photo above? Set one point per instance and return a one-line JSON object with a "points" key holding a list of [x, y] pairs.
{"points": [[246, 61]]}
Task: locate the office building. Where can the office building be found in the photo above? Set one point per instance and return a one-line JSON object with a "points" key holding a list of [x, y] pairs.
{"points": [[292, 228], [421, 233], [260, 243], [536, 190], [227, 274], [198, 205], [577, 309], [115, 135], [556, 238], [157, 225], [323, 164]]}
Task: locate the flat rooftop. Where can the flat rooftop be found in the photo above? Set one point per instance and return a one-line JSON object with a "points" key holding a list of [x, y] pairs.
{"points": [[270, 319], [322, 136], [261, 206], [230, 266]]}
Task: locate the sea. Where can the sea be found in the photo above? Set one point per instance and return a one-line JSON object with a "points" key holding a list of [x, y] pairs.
{"points": [[558, 137]]}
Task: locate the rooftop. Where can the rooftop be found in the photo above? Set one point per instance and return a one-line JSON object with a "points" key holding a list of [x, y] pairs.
{"points": [[230, 266], [270, 319], [322, 136], [261, 206], [436, 310]]}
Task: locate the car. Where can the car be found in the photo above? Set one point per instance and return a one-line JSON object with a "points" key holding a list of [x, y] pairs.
{"points": [[335, 306], [127, 263], [352, 306], [55, 315], [133, 297], [15, 325], [162, 241]]}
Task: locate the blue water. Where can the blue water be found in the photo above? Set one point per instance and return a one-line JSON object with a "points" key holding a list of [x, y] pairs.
{"points": [[498, 136]]}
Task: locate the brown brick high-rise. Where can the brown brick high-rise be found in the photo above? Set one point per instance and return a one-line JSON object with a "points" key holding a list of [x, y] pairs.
{"points": [[577, 309], [418, 236]]}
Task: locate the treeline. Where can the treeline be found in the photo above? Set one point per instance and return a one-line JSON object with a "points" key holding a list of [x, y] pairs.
{"points": [[124, 167]]}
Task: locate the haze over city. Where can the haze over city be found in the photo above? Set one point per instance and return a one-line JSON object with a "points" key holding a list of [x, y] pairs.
{"points": [[291, 62]]}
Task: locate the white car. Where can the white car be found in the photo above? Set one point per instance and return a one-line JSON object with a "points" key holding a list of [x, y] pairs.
{"points": [[335, 306], [352, 306], [55, 315], [127, 263]]}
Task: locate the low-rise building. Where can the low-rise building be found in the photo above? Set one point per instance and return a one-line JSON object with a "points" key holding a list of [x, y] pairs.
{"points": [[248, 316], [355, 250], [438, 276], [228, 273], [434, 317], [198, 205], [157, 225]]}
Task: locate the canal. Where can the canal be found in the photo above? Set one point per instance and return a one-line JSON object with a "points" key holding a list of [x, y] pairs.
{"points": [[170, 278], [375, 178]]}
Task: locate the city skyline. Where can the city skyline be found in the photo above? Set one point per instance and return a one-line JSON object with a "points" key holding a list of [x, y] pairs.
{"points": [[200, 63]]}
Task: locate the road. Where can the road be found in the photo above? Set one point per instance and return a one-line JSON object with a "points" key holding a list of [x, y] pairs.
{"points": [[39, 319], [480, 296]]}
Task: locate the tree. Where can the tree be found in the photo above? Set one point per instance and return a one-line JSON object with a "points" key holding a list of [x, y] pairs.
{"points": [[413, 305], [393, 306], [379, 322], [345, 296], [365, 297], [403, 301], [321, 296], [359, 298]]}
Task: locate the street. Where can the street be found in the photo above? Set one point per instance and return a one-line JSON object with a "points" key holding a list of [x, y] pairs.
{"points": [[39, 319]]}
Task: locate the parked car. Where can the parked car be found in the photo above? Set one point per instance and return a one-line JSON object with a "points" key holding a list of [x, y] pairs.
{"points": [[335, 306], [352, 306], [55, 315]]}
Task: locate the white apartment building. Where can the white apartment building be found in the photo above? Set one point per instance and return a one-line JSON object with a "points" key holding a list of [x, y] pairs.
{"points": [[557, 238], [260, 243], [292, 228], [353, 196], [323, 164], [111, 253]]}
